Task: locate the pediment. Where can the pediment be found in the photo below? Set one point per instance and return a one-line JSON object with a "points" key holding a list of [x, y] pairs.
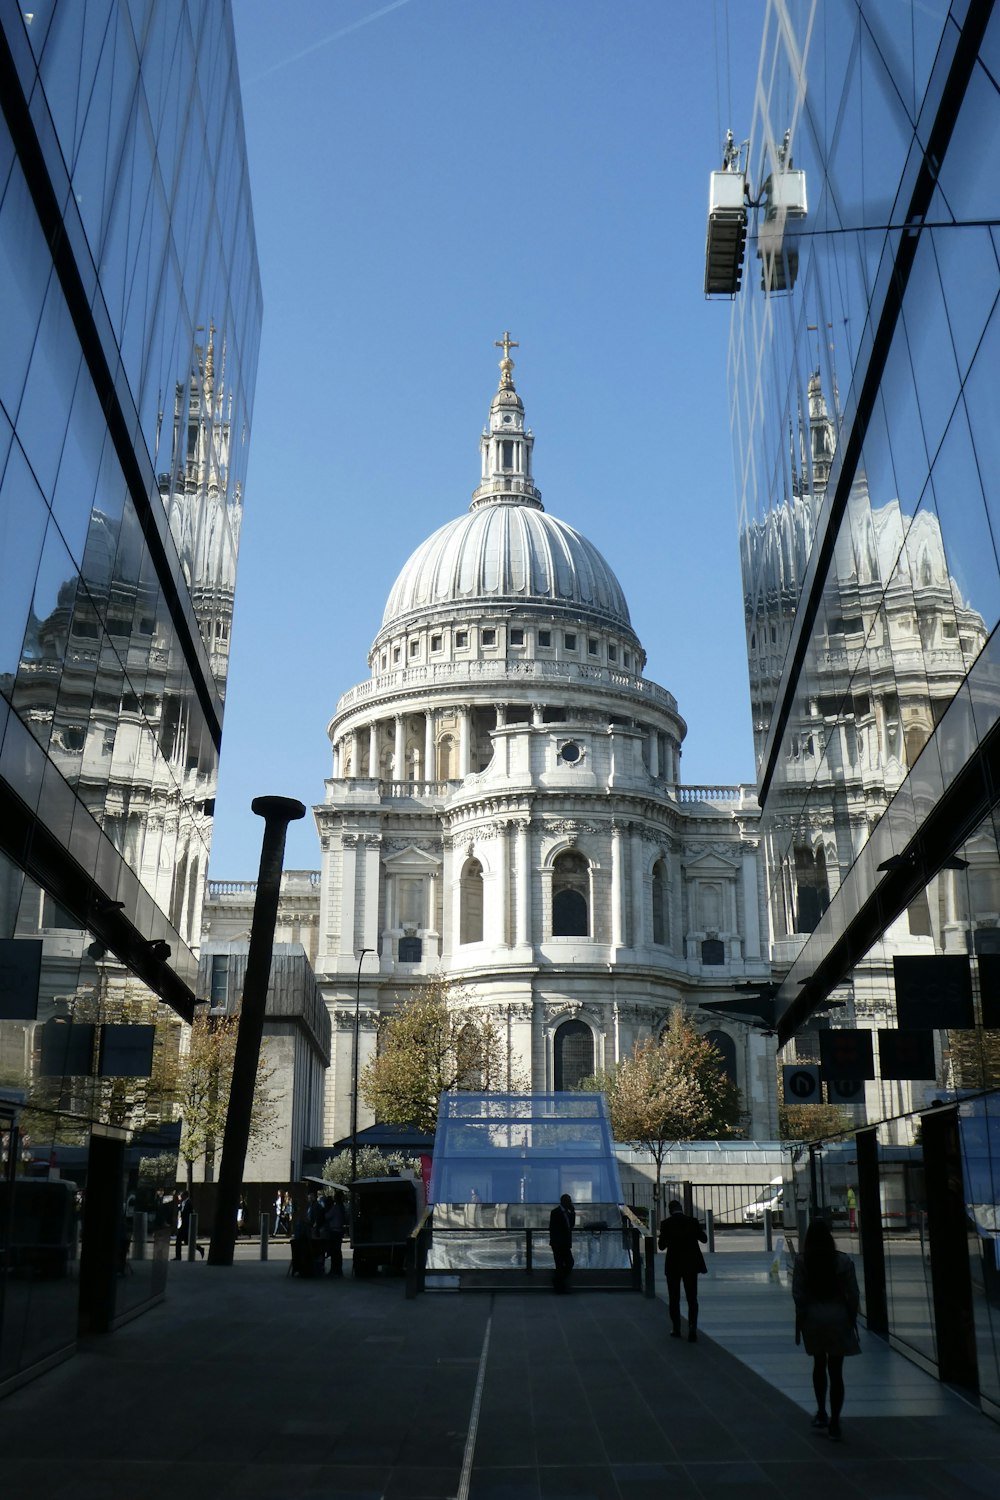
{"points": [[711, 862], [412, 861]]}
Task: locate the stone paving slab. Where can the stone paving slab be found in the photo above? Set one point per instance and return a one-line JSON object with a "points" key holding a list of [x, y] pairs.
{"points": [[248, 1383]]}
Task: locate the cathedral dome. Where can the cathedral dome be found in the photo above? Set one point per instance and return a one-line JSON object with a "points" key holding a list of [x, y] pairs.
{"points": [[507, 550], [507, 553]]}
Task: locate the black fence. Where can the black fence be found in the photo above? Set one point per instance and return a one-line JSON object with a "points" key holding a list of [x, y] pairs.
{"points": [[734, 1205]]}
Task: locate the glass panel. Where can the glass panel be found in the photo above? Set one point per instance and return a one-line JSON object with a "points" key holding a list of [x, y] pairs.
{"points": [[23, 519], [979, 1133], [904, 1234]]}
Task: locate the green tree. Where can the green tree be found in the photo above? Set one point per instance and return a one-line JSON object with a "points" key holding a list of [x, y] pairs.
{"points": [[435, 1041], [672, 1088], [204, 1076], [371, 1163]]}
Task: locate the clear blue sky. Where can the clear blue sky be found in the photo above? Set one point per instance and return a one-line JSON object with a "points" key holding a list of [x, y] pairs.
{"points": [[426, 174]]}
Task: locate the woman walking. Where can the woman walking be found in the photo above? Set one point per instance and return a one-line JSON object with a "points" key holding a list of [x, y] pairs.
{"points": [[825, 1290]]}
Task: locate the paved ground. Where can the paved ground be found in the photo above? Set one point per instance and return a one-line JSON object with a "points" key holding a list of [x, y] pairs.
{"points": [[247, 1383]]}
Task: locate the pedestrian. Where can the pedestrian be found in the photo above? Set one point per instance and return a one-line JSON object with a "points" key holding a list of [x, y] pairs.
{"points": [[682, 1237], [334, 1224], [825, 1289], [561, 1221], [182, 1223]]}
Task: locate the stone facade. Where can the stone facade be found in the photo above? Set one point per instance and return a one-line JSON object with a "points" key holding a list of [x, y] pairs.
{"points": [[506, 809]]}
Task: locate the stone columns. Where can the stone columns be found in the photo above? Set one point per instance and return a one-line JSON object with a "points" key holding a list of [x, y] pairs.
{"points": [[502, 936], [430, 769], [355, 752], [638, 891], [617, 884], [464, 739], [373, 750], [370, 891], [654, 753], [348, 892], [337, 758], [398, 769], [522, 912], [751, 915]]}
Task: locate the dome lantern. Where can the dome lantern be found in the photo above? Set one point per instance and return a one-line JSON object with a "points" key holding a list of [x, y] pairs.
{"points": [[505, 446]]}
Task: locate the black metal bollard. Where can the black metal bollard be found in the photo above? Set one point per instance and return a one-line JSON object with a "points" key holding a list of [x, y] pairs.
{"points": [[277, 813]]}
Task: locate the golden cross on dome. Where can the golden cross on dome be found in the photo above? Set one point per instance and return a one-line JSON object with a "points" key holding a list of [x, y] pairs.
{"points": [[506, 344]]}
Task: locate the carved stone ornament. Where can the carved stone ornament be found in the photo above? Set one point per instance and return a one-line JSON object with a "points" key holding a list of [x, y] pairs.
{"points": [[343, 1018], [559, 1010], [519, 1010], [349, 840], [373, 840]]}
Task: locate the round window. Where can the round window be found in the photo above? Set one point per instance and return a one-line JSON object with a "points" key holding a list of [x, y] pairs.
{"points": [[570, 752]]}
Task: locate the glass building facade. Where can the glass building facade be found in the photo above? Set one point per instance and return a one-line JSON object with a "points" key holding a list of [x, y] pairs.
{"points": [[864, 352], [131, 314]]}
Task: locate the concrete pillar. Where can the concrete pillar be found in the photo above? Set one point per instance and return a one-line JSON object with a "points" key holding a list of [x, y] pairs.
{"points": [[522, 916]]}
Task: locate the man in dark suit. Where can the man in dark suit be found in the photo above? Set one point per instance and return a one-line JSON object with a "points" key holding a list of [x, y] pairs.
{"points": [[561, 1221], [682, 1238]]}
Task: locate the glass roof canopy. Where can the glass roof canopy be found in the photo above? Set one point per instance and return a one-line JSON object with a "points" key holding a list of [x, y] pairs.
{"points": [[524, 1148]]}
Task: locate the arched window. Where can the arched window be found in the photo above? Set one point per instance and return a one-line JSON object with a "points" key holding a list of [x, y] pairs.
{"points": [[570, 914], [472, 902], [724, 1044], [661, 924], [812, 888], [573, 1055]]}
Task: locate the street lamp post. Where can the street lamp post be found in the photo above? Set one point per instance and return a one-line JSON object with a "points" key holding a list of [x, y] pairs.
{"points": [[354, 1068]]}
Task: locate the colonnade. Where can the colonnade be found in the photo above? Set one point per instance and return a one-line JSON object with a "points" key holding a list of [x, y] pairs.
{"points": [[356, 753]]}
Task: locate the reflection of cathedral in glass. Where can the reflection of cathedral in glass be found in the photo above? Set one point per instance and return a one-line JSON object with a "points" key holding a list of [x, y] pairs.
{"points": [[894, 642], [125, 228], [864, 420], [506, 808]]}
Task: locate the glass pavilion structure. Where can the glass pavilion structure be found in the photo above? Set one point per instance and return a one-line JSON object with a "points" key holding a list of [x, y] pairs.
{"points": [[863, 366], [131, 312], [501, 1164]]}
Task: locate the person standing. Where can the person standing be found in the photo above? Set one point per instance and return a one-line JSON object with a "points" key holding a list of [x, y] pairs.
{"points": [[561, 1221], [182, 1222], [825, 1289], [682, 1237], [334, 1224]]}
